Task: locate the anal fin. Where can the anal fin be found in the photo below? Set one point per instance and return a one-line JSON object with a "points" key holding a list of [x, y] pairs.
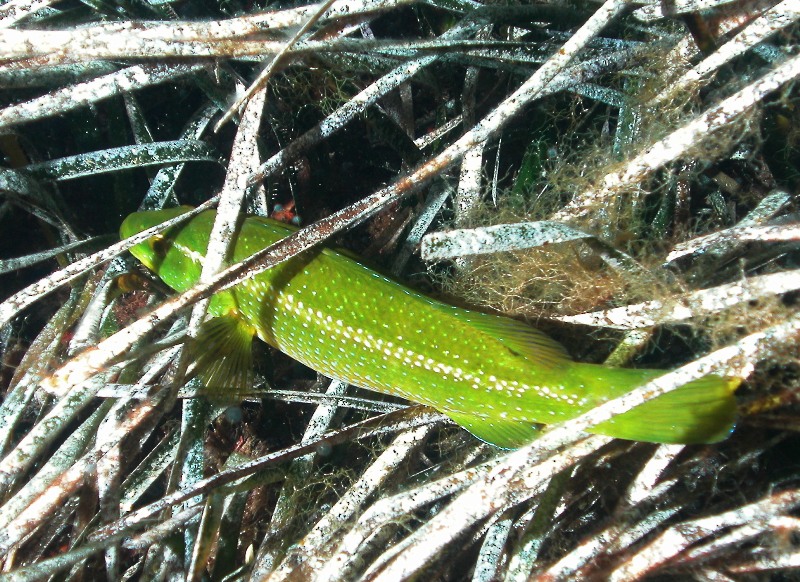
{"points": [[503, 433]]}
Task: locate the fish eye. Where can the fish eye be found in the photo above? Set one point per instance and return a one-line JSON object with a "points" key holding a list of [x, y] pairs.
{"points": [[160, 244]]}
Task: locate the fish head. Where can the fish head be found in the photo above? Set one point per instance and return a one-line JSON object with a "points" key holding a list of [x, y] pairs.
{"points": [[152, 251]]}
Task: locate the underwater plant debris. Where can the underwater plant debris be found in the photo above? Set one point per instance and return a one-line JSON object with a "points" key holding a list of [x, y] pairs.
{"points": [[621, 176]]}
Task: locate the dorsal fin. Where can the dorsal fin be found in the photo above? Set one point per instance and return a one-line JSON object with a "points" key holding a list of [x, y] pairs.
{"points": [[528, 342]]}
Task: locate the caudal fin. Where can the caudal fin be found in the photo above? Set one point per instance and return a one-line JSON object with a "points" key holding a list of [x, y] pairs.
{"points": [[702, 411]]}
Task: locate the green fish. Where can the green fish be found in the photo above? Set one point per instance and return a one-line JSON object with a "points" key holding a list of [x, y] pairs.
{"points": [[494, 376]]}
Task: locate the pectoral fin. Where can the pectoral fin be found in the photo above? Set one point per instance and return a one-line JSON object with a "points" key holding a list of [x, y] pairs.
{"points": [[223, 355]]}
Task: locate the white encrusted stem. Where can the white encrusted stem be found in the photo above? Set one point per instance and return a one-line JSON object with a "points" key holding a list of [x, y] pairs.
{"points": [[736, 235], [357, 104], [16, 10], [72, 97], [690, 305], [271, 548], [679, 142], [496, 238], [183, 38], [307, 550], [266, 73], [520, 475], [389, 509], [772, 21], [681, 536]]}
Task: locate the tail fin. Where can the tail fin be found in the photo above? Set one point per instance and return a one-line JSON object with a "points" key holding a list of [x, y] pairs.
{"points": [[702, 411]]}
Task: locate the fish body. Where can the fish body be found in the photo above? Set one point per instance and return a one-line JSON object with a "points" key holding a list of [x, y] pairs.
{"points": [[494, 376]]}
